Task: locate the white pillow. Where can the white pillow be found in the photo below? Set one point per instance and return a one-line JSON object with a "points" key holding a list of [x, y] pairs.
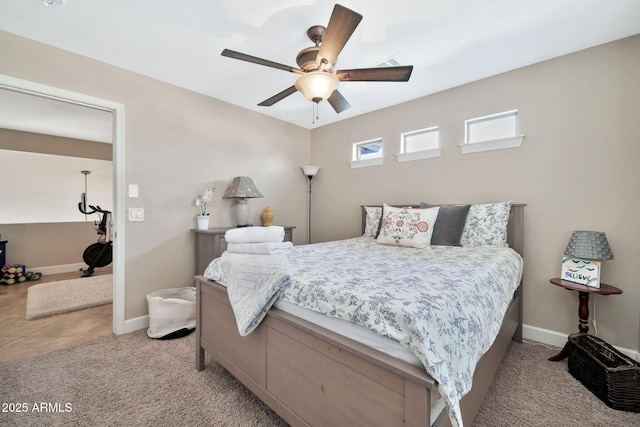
{"points": [[407, 227], [372, 221], [486, 225]]}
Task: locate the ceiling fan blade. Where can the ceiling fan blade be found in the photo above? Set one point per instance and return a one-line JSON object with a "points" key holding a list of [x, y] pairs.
{"points": [[278, 97], [342, 24], [338, 102], [378, 74], [254, 59]]}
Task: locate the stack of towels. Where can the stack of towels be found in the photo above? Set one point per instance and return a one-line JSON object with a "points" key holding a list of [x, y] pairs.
{"points": [[257, 240], [254, 282]]}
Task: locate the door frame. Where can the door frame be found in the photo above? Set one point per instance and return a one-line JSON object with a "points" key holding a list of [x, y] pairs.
{"points": [[118, 142]]}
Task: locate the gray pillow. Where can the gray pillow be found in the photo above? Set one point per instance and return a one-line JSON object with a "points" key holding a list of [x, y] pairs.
{"points": [[449, 225]]}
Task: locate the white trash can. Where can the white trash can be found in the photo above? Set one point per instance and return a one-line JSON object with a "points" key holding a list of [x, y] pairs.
{"points": [[172, 312]]}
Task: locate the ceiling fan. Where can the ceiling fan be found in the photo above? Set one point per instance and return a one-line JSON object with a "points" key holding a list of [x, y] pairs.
{"points": [[317, 80]]}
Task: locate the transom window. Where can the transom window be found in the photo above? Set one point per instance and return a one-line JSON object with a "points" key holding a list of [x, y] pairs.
{"points": [[419, 140], [367, 150], [493, 132], [492, 127], [419, 144]]}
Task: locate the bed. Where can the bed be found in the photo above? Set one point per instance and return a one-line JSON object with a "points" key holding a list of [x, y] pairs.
{"points": [[316, 375]]}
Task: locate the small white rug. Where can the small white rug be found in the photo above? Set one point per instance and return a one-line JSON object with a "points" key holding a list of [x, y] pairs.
{"points": [[52, 298]]}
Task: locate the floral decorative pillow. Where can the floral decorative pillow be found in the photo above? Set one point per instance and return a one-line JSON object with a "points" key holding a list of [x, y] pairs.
{"points": [[372, 221], [486, 225], [406, 226]]}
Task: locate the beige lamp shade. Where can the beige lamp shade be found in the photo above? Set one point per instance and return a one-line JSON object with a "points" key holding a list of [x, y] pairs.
{"points": [[242, 188], [317, 86]]}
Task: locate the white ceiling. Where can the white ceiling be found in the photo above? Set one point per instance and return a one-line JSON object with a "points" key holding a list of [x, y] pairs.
{"points": [[449, 42], [31, 113]]}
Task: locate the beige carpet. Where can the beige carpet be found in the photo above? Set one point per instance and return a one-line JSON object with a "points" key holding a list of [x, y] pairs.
{"points": [[47, 299], [133, 380]]}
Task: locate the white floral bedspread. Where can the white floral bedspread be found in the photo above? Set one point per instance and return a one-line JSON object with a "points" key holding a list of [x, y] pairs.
{"points": [[445, 304]]}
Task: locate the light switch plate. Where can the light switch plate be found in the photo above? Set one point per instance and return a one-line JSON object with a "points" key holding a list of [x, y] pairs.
{"points": [[136, 214], [133, 190]]}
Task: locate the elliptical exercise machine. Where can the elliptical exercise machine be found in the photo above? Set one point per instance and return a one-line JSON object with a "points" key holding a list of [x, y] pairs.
{"points": [[98, 254]]}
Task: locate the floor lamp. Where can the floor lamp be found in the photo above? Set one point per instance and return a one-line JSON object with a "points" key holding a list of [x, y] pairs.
{"points": [[310, 172]]}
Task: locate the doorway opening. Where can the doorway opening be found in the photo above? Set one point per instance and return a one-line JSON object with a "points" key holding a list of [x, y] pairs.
{"points": [[117, 113]]}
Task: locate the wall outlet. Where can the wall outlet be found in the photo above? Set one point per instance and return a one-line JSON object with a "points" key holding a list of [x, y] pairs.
{"points": [[136, 214]]}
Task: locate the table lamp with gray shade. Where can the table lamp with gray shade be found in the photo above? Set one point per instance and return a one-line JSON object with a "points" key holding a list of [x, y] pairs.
{"points": [[310, 172], [583, 253], [590, 245], [242, 188]]}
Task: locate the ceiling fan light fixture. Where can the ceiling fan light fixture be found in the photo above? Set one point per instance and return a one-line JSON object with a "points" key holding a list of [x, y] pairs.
{"points": [[317, 86]]}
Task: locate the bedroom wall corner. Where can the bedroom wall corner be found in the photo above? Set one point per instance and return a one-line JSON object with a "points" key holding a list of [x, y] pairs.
{"points": [[577, 169]]}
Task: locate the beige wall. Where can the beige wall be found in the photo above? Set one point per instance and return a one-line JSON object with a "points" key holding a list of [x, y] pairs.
{"points": [[177, 144], [49, 244], [580, 115], [49, 144], [577, 169]]}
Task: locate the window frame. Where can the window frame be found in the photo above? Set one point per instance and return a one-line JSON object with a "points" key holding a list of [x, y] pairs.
{"points": [[513, 141], [428, 153], [358, 162]]}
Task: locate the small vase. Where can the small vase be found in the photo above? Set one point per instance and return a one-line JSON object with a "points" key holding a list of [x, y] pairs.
{"points": [[203, 222], [267, 217]]}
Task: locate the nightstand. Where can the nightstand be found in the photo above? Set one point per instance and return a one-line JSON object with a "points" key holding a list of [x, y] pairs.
{"points": [[210, 244], [583, 307]]}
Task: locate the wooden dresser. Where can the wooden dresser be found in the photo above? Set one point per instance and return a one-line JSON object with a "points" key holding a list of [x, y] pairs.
{"points": [[210, 244]]}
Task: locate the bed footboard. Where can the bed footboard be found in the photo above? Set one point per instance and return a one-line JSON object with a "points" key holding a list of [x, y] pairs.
{"points": [[308, 375], [313, 377]]}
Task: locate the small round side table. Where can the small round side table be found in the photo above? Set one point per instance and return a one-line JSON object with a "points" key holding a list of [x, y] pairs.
{"points": [[583, 306]]}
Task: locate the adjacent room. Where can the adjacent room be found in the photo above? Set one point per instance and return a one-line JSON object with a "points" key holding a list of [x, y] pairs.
{"points": [[444, 195]]}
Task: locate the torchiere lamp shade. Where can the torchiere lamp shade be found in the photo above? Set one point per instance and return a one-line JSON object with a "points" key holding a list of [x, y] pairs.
{"points": [[310, 171]]}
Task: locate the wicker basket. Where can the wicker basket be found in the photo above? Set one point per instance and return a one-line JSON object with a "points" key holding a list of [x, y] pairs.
{"points": [[610, 375]]}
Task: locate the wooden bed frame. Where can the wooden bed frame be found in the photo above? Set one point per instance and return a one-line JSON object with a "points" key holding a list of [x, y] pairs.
{"points": [[311, 376]]}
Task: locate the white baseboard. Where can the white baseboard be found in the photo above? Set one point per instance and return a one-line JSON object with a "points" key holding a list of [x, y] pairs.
{"points": [[545, 336], [136, 324], [54, 269], [559, 339]]}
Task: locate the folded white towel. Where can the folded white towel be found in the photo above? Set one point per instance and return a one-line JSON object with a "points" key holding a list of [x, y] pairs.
{"points": [[272, 233], [261, 248]]}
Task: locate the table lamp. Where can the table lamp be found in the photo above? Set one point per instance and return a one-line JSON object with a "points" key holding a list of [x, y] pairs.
{"points": [[583, 255], [242, 188]]}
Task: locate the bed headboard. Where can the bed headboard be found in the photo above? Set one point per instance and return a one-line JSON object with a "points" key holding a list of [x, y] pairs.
{"points": [[515, 228]]}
